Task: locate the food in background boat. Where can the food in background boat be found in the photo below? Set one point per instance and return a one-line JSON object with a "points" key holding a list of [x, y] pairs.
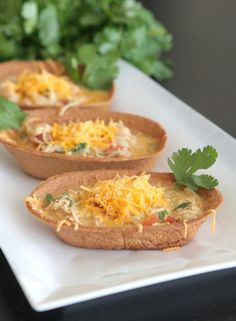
{"points": [[46, 89], [40, 88]]}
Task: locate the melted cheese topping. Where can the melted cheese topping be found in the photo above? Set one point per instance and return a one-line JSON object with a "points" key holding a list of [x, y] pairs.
{"points": [[95, 138], [47, 89], [172, 249], [123, 201], [94, 133], [29, 84], [120, 200]]}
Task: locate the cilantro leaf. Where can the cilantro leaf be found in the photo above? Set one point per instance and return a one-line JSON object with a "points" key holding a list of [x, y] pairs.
{"points": [[86, 53], [108, 39], [10, 115], [72, 67], [49, 198], [8, 48], [204, 159], [184, 163], [98, 70], [66, 196], [162, 214], [182, 205], [48, 25], [79, 148], [29, 13], [161, 70], [205, 181]]}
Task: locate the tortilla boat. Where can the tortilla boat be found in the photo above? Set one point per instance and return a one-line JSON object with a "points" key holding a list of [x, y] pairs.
{"points": [[161, 236], [43, 165], [12, 69]]}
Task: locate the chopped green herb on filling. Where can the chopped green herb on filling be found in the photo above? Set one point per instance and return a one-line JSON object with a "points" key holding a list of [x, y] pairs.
{"points": [[162, 214], [79, 148], [182, 205], [49, 198]]}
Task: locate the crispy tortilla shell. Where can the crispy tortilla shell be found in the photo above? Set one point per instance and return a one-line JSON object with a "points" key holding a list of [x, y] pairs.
{"points": [[43, 165], [125, 237], [14, 68]]}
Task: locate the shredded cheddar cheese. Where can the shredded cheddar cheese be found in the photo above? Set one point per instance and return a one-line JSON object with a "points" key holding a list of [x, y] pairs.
{"points": [[121, 200], [94, 133], [30, 83], [185, 229], [45, 89], [171, 249], [213, 226], [140, 228], [61, 223]]}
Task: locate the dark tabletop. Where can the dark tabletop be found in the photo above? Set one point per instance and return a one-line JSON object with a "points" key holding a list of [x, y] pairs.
{"points": [[204, 57]]}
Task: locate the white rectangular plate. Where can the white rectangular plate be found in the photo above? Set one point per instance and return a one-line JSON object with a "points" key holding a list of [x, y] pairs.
{"points": [[53, 274]]}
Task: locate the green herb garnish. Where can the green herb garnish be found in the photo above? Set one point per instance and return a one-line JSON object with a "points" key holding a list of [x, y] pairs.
{"points": [[98, 70], [49, 198], [66, 196], [182, 205], [184, 163], [79, 148], [10, 115], [162, 214], [59, 151], [64, 30]]}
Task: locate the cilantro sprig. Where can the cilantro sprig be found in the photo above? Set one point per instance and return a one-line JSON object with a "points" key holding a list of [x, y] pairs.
{"points": [[10, 115], [184, 163]]}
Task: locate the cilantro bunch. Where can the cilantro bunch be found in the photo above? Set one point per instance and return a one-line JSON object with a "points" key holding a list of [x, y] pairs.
{"points": [[91, 33]]}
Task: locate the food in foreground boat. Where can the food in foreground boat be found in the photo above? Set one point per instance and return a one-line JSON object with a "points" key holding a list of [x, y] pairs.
{"points": [[129, 209], [125, 211], [42, 88], [123, 200]]}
